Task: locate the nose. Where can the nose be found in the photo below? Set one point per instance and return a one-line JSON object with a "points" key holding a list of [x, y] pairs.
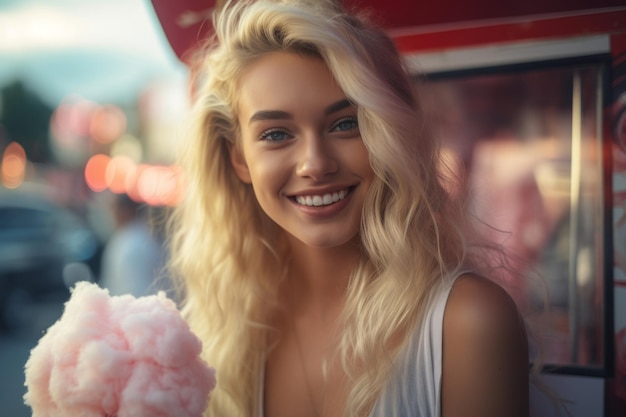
{"points": [[316, 157]]}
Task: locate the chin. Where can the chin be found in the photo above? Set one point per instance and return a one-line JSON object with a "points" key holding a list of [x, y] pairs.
{"points": [[325, 241]]}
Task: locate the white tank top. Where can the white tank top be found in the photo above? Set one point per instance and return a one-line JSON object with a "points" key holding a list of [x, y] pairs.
{"points": [[414, 389]]}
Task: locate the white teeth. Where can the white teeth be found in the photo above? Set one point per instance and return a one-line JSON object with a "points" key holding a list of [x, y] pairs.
{"points": [[321, 200]]}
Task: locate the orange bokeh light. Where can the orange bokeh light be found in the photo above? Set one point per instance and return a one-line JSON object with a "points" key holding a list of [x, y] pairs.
{"points": [[13, 168], [95, 172], [150, 184], [107, 124], [118, 170]]}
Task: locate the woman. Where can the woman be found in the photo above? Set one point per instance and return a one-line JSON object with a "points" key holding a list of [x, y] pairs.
{"points": [[325, 266]]}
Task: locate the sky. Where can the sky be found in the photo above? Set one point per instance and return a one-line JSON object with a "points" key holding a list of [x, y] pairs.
{"points": [[102, 50]]}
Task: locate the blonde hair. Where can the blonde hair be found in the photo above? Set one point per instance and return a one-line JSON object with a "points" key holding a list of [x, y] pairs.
{"points": [[230, 257]]}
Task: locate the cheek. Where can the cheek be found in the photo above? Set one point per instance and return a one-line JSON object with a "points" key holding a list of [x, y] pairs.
{"points": [[362, 162], [267, 174]]}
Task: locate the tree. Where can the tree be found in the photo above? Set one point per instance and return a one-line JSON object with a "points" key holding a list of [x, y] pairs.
{"points": [[26, 120]]}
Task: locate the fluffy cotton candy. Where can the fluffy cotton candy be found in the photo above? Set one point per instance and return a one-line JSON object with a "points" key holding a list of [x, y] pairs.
{"points": [[118, 356]]}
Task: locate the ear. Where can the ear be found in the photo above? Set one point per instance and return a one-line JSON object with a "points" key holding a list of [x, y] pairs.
{"points": [[238, 161]]}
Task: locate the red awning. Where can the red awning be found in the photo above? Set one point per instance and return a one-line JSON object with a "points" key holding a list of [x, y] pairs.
{"points": [[185, 22]]}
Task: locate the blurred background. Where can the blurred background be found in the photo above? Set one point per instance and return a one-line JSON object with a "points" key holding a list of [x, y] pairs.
{"points": [[91, 99]]}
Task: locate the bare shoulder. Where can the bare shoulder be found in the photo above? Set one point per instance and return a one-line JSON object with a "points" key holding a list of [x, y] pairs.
{"points": [[480, 303], [485, 352]]}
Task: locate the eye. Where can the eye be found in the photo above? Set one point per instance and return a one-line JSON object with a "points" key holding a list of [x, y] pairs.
{"points": [[346, 124], [274, 135]]}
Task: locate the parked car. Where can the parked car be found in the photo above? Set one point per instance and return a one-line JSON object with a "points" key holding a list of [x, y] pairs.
{"points": [[38, 241]]}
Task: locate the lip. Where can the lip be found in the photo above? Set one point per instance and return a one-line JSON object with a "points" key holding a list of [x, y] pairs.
{"points": [[325, 210]]}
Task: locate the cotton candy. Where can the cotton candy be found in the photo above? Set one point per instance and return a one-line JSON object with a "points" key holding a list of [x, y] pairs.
{"points": [[118, 356]]}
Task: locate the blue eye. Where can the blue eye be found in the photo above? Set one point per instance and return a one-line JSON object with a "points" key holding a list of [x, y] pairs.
{"points": [[346, 124], [274, 135]]}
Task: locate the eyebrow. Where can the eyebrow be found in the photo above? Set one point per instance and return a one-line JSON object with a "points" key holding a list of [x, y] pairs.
{"points": [[335, 107], [282, 115]]}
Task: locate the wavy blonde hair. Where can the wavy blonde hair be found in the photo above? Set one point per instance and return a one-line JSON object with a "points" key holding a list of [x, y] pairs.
{"points": [[229, 255]]}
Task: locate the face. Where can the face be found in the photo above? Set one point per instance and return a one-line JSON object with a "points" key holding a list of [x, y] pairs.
{"points": [[301, 149]]}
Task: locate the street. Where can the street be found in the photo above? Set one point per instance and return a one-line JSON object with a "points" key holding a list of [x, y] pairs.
{"points": [[15, 348]]}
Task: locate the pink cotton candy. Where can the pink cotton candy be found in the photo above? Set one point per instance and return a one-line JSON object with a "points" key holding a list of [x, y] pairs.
{"points": [[118, 356]]}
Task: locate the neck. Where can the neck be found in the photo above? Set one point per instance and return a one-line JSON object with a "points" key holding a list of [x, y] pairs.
{"points": [[318, 277]]}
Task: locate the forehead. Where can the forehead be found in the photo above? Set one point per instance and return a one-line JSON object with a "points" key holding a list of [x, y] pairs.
{"points": [[286, 81]]}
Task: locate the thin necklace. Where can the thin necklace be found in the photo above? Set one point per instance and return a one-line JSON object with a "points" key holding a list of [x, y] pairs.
{"points": [[305, 373]]}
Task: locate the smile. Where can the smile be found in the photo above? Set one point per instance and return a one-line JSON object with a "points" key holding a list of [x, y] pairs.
{"points": [[322, 200]]}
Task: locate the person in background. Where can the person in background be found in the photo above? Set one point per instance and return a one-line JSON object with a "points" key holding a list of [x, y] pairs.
{"points": [[322, 262], [134, 257]]}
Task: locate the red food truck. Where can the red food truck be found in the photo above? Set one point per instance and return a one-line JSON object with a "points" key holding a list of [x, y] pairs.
{"points": [[530, 101]]}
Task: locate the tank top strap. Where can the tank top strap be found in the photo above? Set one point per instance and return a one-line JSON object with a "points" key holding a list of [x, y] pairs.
{"points": [[414, 388]]}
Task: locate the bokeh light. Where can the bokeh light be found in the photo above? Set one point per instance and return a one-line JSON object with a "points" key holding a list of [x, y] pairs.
{"points": [[95, 172], [151, 184], [13, 168], [159, 185], [128, 145], [107, 124], [72, 120], [118, 169]]}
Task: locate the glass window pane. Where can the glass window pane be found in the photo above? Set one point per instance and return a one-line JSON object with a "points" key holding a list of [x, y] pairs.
{"points": [[528, 144]]}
